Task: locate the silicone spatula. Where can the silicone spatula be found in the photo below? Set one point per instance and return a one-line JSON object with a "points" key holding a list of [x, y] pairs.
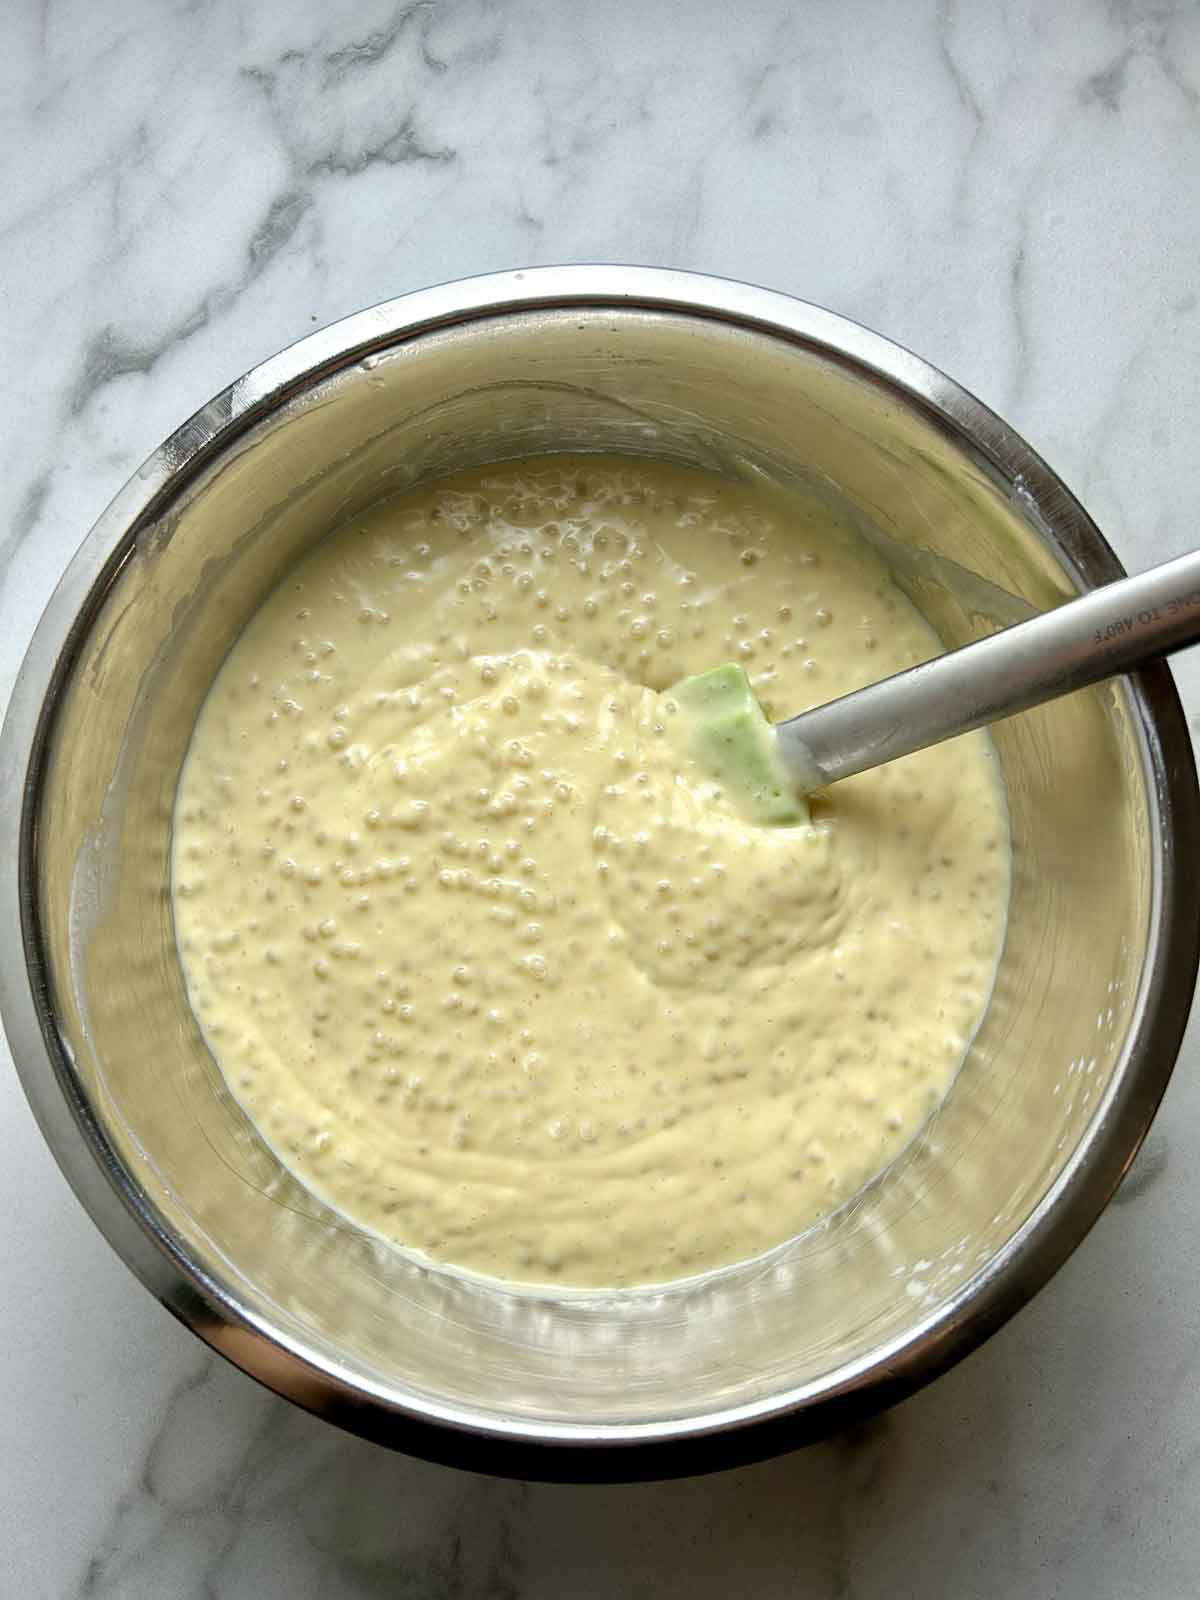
{"points": [[770, 768]]}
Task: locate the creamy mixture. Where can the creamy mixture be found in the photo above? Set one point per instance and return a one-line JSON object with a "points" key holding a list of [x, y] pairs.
{"points": [[490, 966]]}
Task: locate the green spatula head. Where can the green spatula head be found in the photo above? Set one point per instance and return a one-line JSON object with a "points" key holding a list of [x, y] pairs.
{"points": [[724, 730]]}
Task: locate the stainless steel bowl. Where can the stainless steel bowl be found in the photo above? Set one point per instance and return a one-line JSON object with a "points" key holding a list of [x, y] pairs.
{"points": [[1060, 1084]]}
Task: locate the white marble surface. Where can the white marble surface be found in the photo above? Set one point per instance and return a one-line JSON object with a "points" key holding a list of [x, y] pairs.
{"points": [[1010, 189]]}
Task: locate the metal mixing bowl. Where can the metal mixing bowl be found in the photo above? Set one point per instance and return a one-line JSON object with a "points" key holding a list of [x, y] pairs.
{"points": [[1061, 1081]]}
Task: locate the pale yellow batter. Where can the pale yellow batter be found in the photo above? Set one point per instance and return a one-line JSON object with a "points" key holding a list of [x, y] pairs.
{"points": [[493, 972]]}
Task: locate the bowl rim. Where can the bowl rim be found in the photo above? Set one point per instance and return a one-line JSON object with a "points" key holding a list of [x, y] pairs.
{"points": [[479, 1439]]}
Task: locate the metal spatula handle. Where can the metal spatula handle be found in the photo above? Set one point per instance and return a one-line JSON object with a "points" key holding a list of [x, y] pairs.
{"points": [[1097, 636]]}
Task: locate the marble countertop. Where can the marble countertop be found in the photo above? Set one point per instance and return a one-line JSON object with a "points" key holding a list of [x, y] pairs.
{"points": [[1009, 189]]}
